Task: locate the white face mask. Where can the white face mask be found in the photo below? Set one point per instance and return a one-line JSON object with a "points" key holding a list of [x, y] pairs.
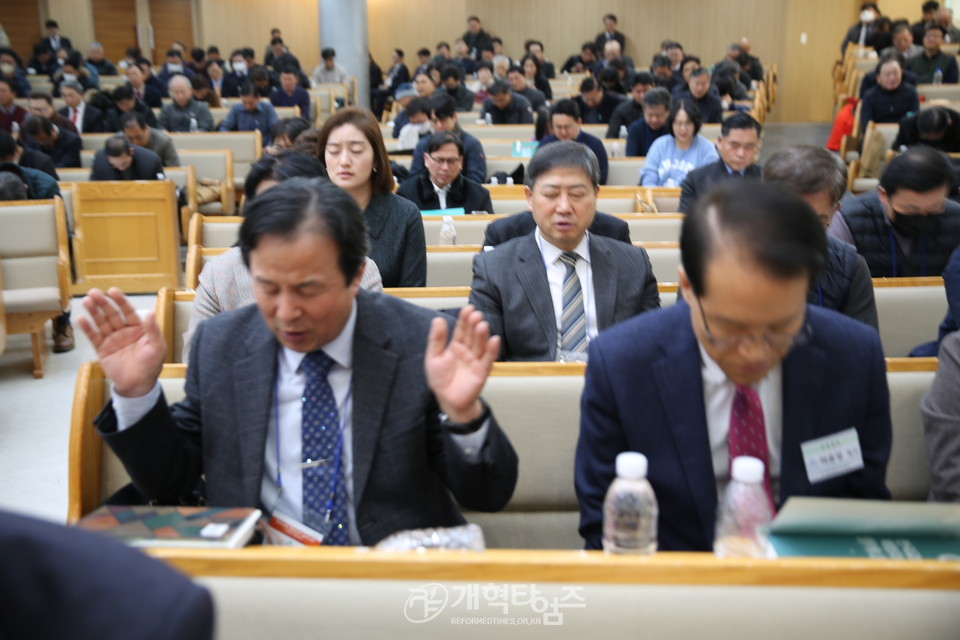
{"points": [[174, 68], [867, 16], [69, 77], [240, 67], [7, 69]]}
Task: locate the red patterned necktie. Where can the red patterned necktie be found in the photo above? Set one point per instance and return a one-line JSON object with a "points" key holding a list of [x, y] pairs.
{"points": [[74, 118], [748, 432]]}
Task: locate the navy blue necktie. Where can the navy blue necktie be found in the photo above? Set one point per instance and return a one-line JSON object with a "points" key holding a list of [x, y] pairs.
{"points": [[320, 449]]}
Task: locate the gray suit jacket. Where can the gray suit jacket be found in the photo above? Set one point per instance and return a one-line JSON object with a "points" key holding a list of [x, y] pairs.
{"points": [[510, 287], [405, 463], [941, 423]]}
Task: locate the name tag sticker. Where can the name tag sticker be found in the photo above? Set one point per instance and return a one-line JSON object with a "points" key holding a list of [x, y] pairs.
{"points": [[832, 455]]}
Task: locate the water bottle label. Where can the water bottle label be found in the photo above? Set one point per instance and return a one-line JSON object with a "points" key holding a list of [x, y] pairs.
{"points": [[833, 455]]}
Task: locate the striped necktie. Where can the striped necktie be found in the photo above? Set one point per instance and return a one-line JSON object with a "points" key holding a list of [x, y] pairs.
{"points": [[573, 320]]}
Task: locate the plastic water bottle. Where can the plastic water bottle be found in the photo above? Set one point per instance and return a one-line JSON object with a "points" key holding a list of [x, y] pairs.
{"points": [[744, 514], [493, 180], [623, 132], [938, 76], [630, 510], [615, 151], [488, 117], [193, 125], [509, 180], [448, 234]]}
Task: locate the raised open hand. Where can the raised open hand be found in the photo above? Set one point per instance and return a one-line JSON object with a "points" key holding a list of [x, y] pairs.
{"points": [[456, 372], [131, 351]]}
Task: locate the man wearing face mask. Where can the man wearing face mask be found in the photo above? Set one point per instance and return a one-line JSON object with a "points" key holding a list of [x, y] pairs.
{"points": [[173, 67], [907, 227], [863, 33]]}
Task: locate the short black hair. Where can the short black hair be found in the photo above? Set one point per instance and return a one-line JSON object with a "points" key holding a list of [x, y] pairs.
{"points": [[116, 146], [690, 108], [699, 71], [133, 117], [8, 146], [451, 71], [870, 5], [197, 54], [34, 124], [247, 89], [213, 49], [41, 48], [933, 120], [419, 105], [919, 169], [563, 153], [484, 64], [41, 95], [565, 107], [248, 52], [399, 52], [443, 44], [805, 169], [496, 39], [689, 58], [277, 40], [51, 24], [174, 53], [443, 104], [198, 82], [11, 184], [934, 27], [660, 60], [642, 78], [893, 56], [610, 17], [739, 120], [441, 138], [423, 51], [123, 92], [281, 167], [589, 84], [499, 87], [658, 96], [775, 227], [9, 83], [289, 128], [515, 69], [589, 46], [328, 53], [308, 205], [932, 5]]}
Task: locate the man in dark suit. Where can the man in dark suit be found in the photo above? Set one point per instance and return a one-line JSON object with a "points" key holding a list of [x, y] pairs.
{"points": [[413, 430], [666, 384], [737, 145], [521, 224], [54, 40], [699, 91], [443, 185], [609, 33], [596, 105], [85, 117], [62, 146], [550, 292], [149, 94], [120, 160], [98, 587]]}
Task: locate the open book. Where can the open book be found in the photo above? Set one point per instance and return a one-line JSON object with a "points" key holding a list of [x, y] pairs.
{"points": [[210, 527]]}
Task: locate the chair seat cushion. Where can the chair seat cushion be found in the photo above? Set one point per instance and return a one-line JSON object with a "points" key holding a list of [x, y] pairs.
{"points": [[31, 300]]}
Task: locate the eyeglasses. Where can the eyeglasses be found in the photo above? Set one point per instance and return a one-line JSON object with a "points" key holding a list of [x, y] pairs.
{"points": [[445, 162], [777, 341]]}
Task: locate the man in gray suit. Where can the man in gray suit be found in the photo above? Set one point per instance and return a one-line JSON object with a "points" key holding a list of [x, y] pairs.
{"points": [[941, 423], [548, 293], [314, 354]]}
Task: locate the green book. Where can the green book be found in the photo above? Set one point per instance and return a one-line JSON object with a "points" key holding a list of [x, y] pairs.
{"points": [[836, 527], [204, 527]]}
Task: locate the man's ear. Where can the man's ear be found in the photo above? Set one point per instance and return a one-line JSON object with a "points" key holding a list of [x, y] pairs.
{"points": [[685, 289]]}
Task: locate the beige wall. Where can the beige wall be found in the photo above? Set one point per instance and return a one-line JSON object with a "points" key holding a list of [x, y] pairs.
{"points": [[75, 18]]}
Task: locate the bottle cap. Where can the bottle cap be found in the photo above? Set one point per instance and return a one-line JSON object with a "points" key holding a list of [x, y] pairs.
{"points": [[747, 469], [448, 219], [631, 465]]}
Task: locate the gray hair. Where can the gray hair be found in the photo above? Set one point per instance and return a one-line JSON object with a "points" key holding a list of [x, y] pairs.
{"points": [[566, 154], [95, 45], [72, 84], [806, 169], [179, 78], [657, 96]]}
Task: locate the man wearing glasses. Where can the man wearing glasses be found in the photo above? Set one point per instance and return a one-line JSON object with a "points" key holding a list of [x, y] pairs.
{"points": [[442, 185], [445, 119], [737, 145], [689, 386]]}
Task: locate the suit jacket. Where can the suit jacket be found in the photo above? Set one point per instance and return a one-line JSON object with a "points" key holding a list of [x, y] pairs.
{"points": [[521, 224], [644, 392], [101, 588], [146, 165], [92, 118], [510, 287], [152, 95], [462, 193], [405, 463], [65, 151], [702, 179], [941, 423]]}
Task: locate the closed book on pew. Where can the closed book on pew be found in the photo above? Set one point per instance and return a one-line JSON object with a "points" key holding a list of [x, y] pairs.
{"points": [[202, 527], [837, 527]]}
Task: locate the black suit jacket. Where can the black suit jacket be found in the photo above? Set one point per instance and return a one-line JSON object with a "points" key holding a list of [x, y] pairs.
{"points": [[230, 88], [699, 181], [521, 224], [463, 193], [92, 118], [98, 587], [33, 159], [406, 465], [146, 165], [65, 151]]}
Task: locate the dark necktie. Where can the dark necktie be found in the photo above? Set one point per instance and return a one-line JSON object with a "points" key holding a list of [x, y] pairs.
{"points": [[748, 432], [322, 442]]}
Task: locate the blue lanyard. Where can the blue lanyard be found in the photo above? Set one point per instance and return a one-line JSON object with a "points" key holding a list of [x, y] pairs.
{"points": [[819, 293], [893, 253]]}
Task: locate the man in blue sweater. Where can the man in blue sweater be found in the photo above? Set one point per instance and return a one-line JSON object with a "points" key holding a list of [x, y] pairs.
{"points": [[642, 133], [565, 120]]}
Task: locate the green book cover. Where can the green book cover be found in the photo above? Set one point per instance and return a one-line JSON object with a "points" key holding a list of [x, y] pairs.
{"points": [[144, 526]]}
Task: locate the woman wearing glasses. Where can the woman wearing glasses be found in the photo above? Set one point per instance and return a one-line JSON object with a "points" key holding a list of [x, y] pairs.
{"points": [[673, 156], [351, 148]]}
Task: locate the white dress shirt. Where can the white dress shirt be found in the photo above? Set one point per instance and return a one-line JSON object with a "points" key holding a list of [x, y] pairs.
{"points": [[718, 393], [557, 270], [441, 193], [287, 497], [79, 111]]}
